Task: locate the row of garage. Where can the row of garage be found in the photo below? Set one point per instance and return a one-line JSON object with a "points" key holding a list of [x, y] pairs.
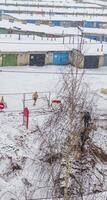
{"points": [[35, 58], [76, 58]]}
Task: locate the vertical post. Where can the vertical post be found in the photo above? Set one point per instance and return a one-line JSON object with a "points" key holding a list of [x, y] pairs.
{"points": [[23, 105], [81, 41], [102, 47], [19, 37], [26, 117], [49, 102], [63, 39], [33, 37], [24, 95], [69, 39], [63, 36], [73, 40]]}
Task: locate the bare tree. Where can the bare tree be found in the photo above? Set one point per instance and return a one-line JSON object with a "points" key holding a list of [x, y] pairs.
{"points": [[64, 166], [62, 126], [67, 153]]}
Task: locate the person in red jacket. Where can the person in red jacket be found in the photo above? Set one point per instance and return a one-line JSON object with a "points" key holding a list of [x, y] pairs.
{"points": [[2, 103]]}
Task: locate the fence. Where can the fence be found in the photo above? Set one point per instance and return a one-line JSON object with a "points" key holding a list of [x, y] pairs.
{"points": [[16, 102]]}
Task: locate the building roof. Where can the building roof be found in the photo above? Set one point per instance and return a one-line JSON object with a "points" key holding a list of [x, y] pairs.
{"points": [[11, 43], [67, 3], [58, 17], [39, 28], [94, 31], [70, 10]]}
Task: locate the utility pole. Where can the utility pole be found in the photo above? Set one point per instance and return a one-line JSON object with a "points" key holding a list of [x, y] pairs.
{"points": [[81, 37]]}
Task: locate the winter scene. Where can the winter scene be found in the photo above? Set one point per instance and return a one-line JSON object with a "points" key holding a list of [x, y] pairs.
{"points": [[53, 100]]}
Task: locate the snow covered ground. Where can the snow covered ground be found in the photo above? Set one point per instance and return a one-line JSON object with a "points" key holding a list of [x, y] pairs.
{"points": [[15, 142], [18, 145], [19, 163], [13, 134], [44, 80]]}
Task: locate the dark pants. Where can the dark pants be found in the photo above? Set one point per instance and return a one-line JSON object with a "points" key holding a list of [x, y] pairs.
{"points": [[86, 123], [34, 99]]}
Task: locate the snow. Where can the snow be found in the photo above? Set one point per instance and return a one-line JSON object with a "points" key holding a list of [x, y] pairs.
{"points": [[101, 196], [17, 82], [20, 144], [26, 44], [14, 135], [58, 17], [31, 44], [32, 47], [44, 44], [96, 31], [49, 3], [20, 80], [71, 10], [40, 28], [97, 2], [94, 48], [45, 82]]}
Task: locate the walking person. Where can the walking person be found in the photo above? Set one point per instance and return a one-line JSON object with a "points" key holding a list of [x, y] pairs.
{"points": [[87, 119], [34, 97]]}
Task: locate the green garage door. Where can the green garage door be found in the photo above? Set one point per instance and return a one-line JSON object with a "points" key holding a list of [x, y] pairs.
{"points": [[0, 60], [9, 60]]}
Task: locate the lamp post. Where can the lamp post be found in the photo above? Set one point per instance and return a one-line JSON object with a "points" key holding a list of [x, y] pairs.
{"points": [[80, 29]]}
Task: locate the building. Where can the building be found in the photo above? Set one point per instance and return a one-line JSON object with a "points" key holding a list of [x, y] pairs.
{"points": [[87, 61]]}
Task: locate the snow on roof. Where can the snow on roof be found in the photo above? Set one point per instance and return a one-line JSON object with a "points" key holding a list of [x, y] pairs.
{"points": [[93, 49], [97, 2], [70, 10], [96, 31], [31, 47], [58, 17], [11, 43], [49, 3], [40, 28]]}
